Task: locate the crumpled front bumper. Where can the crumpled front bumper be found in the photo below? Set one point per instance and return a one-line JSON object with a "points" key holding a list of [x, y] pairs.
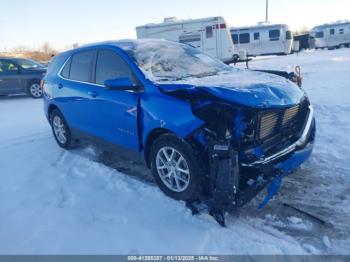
{"points": [[273, 168]]}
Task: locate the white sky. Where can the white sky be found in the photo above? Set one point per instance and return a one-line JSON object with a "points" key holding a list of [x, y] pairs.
{"points": [[64, 22]]}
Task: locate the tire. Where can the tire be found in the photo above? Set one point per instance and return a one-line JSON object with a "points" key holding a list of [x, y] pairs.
{"points": [[35, 90], [60, 130], [179, 179]]}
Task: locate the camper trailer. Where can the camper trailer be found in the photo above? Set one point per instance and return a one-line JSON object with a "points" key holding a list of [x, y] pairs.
{"points": [[332, 35], [262, 39], [211, 35]]}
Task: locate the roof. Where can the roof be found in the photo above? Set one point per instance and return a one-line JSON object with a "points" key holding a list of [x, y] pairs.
{"points": [[345, 23], [265, 26], [180, 21]]}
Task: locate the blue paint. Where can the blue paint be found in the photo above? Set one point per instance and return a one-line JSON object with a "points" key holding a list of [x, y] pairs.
{"points": [[272, 190], [286, 167], [239, 124]]}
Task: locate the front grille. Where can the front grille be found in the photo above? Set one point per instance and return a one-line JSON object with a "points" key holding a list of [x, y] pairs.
{"points": [[289, 115], [268, 124], [281, 127]]}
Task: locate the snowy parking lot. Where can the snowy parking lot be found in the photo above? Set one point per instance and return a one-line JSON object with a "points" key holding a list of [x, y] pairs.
{"points": [[58, 202]]}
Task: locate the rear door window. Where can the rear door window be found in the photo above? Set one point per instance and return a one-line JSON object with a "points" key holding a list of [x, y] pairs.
{"points": [[110, 66], [244, 38], [81, 65], [288, 35], [274, 35], [331, 31]]}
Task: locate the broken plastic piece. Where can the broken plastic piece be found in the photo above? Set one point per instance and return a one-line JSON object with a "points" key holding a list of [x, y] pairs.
{"points": [[271, 191]]}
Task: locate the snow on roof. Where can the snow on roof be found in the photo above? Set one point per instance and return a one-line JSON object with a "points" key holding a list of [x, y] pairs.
{"points": [[175, 21]]}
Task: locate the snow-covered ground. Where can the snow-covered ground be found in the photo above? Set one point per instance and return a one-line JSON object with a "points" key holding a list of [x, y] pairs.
{"points": [[58, 202]]}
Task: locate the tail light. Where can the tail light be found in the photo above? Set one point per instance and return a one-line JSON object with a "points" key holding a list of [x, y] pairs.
{"points": [[221, 26]]}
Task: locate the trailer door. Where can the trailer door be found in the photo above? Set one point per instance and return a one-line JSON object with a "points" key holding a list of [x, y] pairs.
{"points": [[256, 43], [209, 40]]}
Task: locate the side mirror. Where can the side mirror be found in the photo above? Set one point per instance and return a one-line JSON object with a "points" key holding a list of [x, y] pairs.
{"points": [[123, 83]]}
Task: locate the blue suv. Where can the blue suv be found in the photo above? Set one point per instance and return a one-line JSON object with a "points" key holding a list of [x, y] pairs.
{"points": [[208, 132]]}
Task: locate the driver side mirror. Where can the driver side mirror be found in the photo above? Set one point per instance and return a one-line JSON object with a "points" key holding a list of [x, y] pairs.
{"points": [[123, 83]]}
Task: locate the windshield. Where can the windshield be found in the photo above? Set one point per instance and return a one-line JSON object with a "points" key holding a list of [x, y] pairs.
{"points": [[29, 64], [162, 60]]}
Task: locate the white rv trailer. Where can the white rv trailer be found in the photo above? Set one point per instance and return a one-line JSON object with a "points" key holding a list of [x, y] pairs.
{"points": [[211, 35], [331, 35], [262, 39]]}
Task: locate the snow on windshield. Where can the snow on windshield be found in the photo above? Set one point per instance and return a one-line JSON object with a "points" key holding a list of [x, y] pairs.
{"points": [[162, 60]]}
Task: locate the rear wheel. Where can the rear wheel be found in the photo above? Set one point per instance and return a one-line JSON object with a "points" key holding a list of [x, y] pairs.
{"points": [[175, 167], [61, 130], [35, 90]]}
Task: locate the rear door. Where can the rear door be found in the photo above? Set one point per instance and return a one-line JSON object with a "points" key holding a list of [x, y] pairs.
{"points": [[75, 92], [10, 78]]}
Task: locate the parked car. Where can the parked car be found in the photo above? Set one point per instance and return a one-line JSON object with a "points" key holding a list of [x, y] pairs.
{"points": [[207, 131], [19, 75]]}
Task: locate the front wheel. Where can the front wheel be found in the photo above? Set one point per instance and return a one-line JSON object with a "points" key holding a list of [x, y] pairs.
{"points": [[35, 90], [175, 167]]}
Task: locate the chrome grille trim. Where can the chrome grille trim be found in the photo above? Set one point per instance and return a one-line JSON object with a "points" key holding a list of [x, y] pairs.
{"points": [[299, 143]]}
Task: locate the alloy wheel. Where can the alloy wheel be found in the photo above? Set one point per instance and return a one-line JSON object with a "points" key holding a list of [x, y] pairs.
{"points": [[173, 169]]}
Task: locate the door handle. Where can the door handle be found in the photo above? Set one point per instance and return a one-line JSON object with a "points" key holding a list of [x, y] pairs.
{"points": [[93, 93], [60, 86]]}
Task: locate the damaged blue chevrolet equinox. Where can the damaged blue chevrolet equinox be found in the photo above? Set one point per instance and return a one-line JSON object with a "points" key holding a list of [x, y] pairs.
{"points": [[210, 133]]}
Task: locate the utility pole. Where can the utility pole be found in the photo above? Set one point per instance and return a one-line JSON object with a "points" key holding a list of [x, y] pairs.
{"points": [[267, 11]]}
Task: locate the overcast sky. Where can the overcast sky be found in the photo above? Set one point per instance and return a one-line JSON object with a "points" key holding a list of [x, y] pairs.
{"points": [[64, 22]]}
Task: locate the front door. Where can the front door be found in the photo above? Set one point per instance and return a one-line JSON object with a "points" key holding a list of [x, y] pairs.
{"points": [[116, 110]]}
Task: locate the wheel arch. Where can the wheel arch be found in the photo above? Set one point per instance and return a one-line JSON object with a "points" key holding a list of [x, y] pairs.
{"points": [[50, 109], [152, 136]]}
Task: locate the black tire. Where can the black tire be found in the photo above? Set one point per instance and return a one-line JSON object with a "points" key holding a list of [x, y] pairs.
{"points": [[34, 90], [68, 143], [191, 157]]}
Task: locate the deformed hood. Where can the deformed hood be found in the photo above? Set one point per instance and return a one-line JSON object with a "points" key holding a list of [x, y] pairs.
{"points": [[244, 87]]}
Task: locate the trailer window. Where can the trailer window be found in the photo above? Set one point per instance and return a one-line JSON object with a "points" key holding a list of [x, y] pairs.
{"points": [[341, 31], [189, 38], [319, 34], [244, 38], [256, 36], [235, 38], [331, 31], [209, 32], [274, 35], [288, 35]]}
